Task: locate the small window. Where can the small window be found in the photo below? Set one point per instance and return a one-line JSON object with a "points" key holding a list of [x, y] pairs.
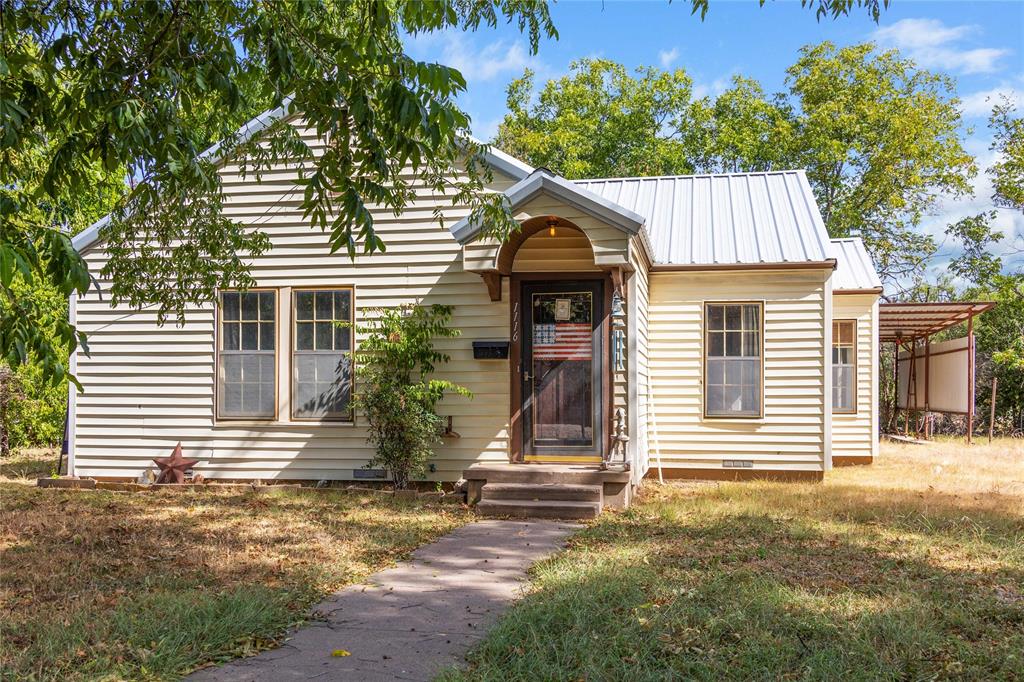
{"points": [[844, 366], [322, 354], [247, 367], [732, 369]]}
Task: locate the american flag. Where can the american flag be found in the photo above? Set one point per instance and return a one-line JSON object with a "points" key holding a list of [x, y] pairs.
{"points": [[562, 341]]}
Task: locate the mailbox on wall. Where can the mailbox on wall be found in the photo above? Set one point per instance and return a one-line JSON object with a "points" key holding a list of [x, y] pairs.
{"points": [[490, 350]]}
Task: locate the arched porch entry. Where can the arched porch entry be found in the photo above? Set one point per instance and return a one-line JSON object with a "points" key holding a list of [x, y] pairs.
{"points": [[564, 269], [559, 307]]}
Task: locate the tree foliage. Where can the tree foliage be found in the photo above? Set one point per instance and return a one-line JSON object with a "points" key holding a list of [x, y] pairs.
{"points": [[880, 139], [138, 91], [395, 391]]}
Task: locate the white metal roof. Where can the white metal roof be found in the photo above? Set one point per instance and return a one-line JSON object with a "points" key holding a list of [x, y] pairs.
{"points": [[724, 218], [854, 269]]}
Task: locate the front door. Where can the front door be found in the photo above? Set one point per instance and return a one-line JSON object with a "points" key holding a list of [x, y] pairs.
{"points": [[561, 370]]}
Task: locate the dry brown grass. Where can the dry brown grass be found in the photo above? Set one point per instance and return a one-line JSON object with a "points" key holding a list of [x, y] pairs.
{"points": [[945, 466], [100, 584]]}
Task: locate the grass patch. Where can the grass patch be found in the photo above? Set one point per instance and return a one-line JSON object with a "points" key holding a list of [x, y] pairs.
{"points": [[111, 585], [910, 569]]}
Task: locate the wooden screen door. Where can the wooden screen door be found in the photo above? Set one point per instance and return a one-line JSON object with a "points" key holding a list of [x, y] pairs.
{"points": [[562, 370]]}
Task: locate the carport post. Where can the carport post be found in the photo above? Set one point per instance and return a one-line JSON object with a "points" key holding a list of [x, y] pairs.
{"points": [[927, 373], [970, 377]]}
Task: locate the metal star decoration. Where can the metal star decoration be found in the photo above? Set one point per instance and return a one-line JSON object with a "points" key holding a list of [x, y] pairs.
{"points": [[172, 469]]}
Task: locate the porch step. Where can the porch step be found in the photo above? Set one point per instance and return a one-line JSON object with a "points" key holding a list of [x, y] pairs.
{"points": [[566, 492], [540, 509]]}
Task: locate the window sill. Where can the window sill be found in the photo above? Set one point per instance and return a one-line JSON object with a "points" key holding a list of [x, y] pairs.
{"points": [[733, 420], [230, 423]]}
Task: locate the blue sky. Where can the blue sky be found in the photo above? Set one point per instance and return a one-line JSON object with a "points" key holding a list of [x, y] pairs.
{"points": [[979, 44]]}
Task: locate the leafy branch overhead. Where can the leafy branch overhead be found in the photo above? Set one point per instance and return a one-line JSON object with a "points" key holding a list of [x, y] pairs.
{"points": [[95, 93]]}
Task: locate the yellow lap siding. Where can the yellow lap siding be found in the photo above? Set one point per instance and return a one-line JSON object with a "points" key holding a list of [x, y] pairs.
{"points": [[855, 435], [792, 433]]}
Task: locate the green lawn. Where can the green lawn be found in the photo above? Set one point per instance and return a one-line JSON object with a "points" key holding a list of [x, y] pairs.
{"points": [[910, 569], [103, 585]]}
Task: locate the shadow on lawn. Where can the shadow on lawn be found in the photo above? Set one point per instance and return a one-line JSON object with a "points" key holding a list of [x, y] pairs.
{"points": [[103, 584], [704, 586]]}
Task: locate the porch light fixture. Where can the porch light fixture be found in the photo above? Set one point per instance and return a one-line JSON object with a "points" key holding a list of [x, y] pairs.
{"points": [[551, 226]]}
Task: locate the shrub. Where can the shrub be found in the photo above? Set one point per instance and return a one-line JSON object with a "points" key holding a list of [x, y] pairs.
{"points": [[394, 390]]}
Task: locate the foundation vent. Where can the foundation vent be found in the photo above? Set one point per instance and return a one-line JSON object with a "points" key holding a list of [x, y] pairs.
{"points": [[737, 464]]}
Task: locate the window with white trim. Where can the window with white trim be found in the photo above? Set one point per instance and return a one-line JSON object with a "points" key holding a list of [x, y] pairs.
{"points": [[246, 358], [322, 354], [844, 366], [732, 363]]}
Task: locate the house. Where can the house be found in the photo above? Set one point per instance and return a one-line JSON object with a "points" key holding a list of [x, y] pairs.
{"points": [[688, 326]]}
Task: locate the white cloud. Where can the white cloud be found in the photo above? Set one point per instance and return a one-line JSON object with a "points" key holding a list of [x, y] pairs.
{"points": [[459, 50], [980, 103], [951, 210], [932, 44], [714, 88], [668, 57]]}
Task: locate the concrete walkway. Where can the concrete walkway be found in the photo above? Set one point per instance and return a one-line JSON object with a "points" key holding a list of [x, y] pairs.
{"points": [[414, 620]]}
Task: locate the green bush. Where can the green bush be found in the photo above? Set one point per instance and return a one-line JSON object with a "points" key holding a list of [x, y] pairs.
{"points": [[394, 391]]}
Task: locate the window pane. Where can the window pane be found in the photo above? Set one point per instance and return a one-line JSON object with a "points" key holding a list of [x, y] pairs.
{"points": [[734, 372], [249, 306], [267, 305], [716, 344], [751, 313], [716, 317], [231, 399], [716, 403], [846, 333], [343, 305], [324, 307], [716, 372], [733, 399], [266, 336], [322, 385], [229, 305], [732, 317], [304, 336], [733, 344], [230, 336], [341, 338], [250, 336], [751, 344], [232, 368], [304, 305], [324, 335], [751, 399]]}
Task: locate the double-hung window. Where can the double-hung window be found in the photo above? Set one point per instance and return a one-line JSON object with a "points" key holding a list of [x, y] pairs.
{"points": [[322, 354], [844, 366], [733, 347], [247, 361]]}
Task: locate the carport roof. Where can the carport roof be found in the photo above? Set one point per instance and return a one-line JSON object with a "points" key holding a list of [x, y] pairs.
{"points": [[907, 321]]}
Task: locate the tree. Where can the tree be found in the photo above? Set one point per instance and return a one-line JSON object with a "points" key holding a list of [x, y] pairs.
{"points": [[139, 90], [135, 91], [599, 121], [880, 139], [395, 391], [1008, 143], [741, 130]]}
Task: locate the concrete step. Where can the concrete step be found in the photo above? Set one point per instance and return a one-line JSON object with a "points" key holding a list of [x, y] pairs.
{"points": [[567, 492], [539, 473], [540, 509]]}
